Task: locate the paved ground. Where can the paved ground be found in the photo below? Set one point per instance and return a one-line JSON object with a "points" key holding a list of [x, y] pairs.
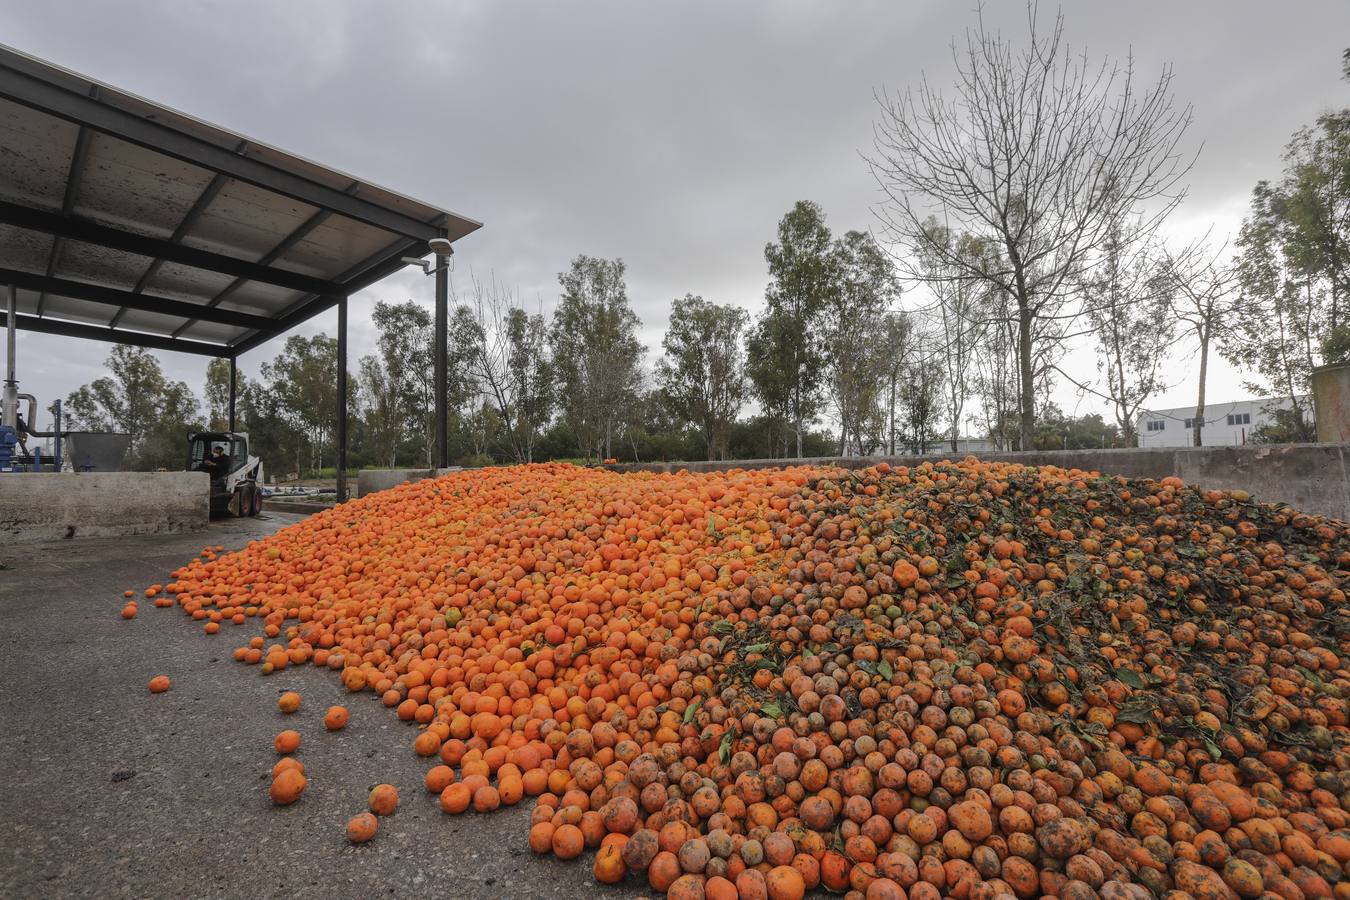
{"points": [[110, 791]]}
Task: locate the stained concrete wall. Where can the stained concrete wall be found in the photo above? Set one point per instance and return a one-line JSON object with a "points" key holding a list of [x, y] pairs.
{"points": [[50, 506], [368, 481], [1331, 402], [1310, 477]]}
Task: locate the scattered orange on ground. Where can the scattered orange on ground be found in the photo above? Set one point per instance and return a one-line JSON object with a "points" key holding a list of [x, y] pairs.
{"points": [[361, 827], [287, 786], [287, 762], [159, 684], [335, 719], [288, 702], [953, 679], [287, 741], [383, 799]]}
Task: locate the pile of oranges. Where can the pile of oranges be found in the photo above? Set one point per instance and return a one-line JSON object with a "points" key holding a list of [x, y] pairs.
{"points": [[968, 680]]}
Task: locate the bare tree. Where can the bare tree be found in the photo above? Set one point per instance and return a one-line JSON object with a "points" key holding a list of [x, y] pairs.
{"points": [[920, 392], [961, 315], [1203, 296], [896, 333], [1039, 151], [1127, 306], [507, 356]]}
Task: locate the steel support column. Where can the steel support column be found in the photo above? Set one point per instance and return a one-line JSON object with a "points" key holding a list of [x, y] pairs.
{"points": [[438, 353], [233, 377], [342, 401], [9, 389]]}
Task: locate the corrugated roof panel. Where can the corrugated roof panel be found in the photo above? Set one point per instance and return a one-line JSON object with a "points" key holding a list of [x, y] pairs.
{"points": [[263, 299], [247, 222], [35, 152], [28, 301], [138, 190], [186, 283], [333, 178], [149, 322], [24, 250], [100, 265], [58, 307], [335, 245], [212, 332]]}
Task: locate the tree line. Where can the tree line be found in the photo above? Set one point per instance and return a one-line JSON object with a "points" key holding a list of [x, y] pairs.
{"points": [[1021, 216]]}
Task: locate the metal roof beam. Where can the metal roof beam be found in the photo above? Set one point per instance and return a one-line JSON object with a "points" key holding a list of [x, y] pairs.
{"points": [[45, 97], [93, 293], [92, 233], [198, 207], [134, 338], [360, 276], [73, 174], [286, 243]]}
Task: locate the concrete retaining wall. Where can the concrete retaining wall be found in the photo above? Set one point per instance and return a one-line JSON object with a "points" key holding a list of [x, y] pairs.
{"points": [[50, 506], [1310, 477], [368, 481], [1331, 402]]}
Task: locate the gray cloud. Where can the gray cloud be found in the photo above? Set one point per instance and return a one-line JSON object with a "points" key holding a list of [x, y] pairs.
{"points": [[672, 135]]}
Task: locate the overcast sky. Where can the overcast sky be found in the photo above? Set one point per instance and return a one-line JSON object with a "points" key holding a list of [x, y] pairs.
{"points": [[671, 135]]}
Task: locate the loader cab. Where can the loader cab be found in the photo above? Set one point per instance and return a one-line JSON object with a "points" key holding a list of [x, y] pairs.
{"points": [[236, 477], [217, 454]]}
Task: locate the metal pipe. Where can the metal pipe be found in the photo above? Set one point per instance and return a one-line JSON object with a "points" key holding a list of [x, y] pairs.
{"points": [[11, 330], [32, 410], [438, 352]]}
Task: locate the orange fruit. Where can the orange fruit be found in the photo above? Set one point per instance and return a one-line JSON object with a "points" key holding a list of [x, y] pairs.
{"points": [[383, 799], [287, 762], [335, 718], [361, 827], [287, 787]]}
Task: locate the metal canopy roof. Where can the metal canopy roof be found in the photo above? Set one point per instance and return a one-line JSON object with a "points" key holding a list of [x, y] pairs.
{"points": [[123, 220]]}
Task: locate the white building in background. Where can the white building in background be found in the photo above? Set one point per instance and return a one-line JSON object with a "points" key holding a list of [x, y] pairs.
{"points": [[1225, 425], [964, 444]]}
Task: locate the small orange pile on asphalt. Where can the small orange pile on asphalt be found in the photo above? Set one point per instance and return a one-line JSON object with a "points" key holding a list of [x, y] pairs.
{"points": [[959, 679]]}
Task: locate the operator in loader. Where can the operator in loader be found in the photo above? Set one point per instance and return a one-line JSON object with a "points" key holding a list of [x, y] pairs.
{"points": [[216, 464]]}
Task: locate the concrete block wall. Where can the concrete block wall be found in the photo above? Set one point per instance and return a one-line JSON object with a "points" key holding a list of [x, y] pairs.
{"points": [[50, 506], [368, 481], [1310, 477]]}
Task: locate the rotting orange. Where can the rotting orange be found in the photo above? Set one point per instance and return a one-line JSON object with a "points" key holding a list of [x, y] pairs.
{"points": [[362, 827], [383, 799], [335, 719]]}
